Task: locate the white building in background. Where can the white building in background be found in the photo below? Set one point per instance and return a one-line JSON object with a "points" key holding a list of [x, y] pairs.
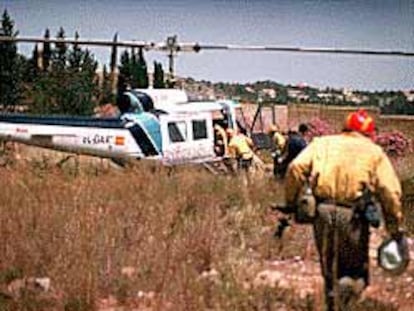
{"points": [[269, 93], [294, 93], [409, 95]]}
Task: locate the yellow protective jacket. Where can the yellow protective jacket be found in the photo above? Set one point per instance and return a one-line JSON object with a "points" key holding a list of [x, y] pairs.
{"points": [[222, 138], [343, 164], [279, 140], [240, 147]]}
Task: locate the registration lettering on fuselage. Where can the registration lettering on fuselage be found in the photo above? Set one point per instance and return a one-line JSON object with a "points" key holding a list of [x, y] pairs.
{"points": [[97, 139]]}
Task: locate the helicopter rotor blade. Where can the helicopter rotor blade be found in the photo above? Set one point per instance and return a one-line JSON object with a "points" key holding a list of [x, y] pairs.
{"points": [[174, 46], [133, 44], [199, 47]]}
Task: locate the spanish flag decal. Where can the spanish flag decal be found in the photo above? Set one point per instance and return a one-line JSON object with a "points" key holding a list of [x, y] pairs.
{"points": [[119, 140]]}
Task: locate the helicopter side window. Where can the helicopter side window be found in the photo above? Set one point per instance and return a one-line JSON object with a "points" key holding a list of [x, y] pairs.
{"points": [[199, 129], [177, 131]]}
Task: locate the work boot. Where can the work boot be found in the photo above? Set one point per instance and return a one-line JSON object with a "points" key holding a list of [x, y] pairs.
{"points": [[349, 291]]}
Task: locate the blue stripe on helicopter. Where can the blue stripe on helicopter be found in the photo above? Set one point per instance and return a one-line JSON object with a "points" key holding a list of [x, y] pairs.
{"points": [[143, 140], [149, 132], [64, 121]]}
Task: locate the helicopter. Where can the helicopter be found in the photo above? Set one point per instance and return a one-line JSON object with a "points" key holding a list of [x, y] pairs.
{"points": [[158, 124], [151, 124]]}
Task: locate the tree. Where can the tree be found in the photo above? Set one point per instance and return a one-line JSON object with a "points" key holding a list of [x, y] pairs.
{"points": [[59, 54], [106, 88], [32, 70], [282, 96], [135, 70], [124, 71], [113, 54], [75, 57], [43, 95], [10, 69], [85, 85], [398, 105], [47, 52], [70, 86], [142, 71], [158, 78]]}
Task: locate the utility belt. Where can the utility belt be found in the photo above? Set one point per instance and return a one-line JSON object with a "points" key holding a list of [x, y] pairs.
{"points": [[363, 208], [247, 155], [367, 210]]}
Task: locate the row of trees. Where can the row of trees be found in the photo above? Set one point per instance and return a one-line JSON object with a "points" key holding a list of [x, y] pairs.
{"points": [[62, 79], [10, 64]]}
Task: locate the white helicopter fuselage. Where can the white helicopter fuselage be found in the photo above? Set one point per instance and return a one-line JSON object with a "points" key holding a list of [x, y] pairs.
{"points": [[179, 133], [104, 142]]}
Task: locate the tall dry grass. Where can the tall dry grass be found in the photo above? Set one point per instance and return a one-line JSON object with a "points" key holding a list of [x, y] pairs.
{"points": [[169, 228], [165, 239]]}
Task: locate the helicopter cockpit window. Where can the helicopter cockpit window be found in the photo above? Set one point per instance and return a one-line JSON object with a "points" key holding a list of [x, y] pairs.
{"points": [[177, 131], [145, 100], [199, 129]]}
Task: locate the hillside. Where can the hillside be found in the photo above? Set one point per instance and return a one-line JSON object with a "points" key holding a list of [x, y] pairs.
{"points": [[389, 102]]}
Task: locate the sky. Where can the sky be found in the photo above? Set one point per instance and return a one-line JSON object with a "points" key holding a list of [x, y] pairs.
{"points": [[362, 24]]}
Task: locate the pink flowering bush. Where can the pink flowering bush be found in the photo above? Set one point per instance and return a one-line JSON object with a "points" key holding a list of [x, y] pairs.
{"points": [[394, 143], [319, 127]]}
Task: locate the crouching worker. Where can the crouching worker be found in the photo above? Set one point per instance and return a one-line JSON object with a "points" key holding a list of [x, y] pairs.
{"points": [[241, 149], [341, 168], [220, 141]]}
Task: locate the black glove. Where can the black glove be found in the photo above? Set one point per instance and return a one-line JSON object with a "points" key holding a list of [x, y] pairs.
{"points": [[281, 227], [285, 209]]}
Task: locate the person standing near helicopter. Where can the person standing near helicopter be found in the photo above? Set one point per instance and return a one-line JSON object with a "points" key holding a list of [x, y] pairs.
{"points": [[295, 143], [278, 143], [341, 170]]}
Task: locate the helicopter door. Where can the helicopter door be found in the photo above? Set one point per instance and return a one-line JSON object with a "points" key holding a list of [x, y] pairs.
{"points": [[187, 138]]}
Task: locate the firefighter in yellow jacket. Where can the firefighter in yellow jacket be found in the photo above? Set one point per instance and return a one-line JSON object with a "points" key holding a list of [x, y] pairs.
{"points": [[278, 148], [221, 141], [340, 168], [278, 140], [241, 149]]}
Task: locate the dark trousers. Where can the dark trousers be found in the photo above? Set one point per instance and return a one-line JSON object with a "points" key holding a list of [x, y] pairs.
{"points": [[277, 170], [244, 164], [342, 240]]}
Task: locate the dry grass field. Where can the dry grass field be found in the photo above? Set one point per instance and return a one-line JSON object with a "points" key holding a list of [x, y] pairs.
{"points": [[88, 236], [153, 238], [104, 233]]}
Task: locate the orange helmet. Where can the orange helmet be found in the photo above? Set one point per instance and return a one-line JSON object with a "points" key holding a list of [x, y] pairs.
{"points": [[361, 122]]}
